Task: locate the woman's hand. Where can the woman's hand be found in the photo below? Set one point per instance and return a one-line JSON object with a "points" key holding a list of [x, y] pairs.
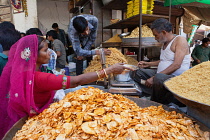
{"points": [[143, 64], [198, 61], [117, 68]]}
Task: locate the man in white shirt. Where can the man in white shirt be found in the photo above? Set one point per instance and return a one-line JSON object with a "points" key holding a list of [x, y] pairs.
{"points": [[174, 60]]}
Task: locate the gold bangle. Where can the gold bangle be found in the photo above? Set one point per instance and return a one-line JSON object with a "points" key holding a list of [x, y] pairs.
{"points": [[98, 75], [102, 74], [105, 73]]}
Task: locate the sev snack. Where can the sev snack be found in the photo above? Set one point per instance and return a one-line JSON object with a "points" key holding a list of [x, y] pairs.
{"points": [[115, 38], [193, 84], [115, 57], [131, 60], [91, 114], [146, 32]]}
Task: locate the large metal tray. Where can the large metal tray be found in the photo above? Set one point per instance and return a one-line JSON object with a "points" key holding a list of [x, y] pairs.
{"points": [[145, 42], [140, 102], [111, 44], [197, 110]]}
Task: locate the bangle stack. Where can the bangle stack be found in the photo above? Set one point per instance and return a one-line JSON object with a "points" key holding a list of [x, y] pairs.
{"points": [[101, 73], [64, 83]]}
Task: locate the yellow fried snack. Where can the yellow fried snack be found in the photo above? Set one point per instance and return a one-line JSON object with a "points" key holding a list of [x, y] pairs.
{"points": [[103, 116], [193, 84], [115, 38], [115, 57], [146, 32]]}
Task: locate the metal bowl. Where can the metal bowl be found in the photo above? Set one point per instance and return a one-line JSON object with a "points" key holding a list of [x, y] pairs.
{"points": [[125, 76]]}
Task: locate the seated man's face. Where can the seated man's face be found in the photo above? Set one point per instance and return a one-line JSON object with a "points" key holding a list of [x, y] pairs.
{"points": [[160, 37], [87, 31]]}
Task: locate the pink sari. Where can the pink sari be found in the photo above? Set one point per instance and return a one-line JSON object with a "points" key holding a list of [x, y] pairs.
{"points": [[17, 83]]}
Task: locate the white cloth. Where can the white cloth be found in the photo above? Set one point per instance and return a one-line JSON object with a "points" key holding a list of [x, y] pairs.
{"points": [[59, 95], [167, 58]]}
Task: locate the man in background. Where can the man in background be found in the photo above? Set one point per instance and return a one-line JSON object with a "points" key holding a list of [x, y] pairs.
{"points": [[61, 34], [8, 37], [59, 49], [201, 53], [6, 25]]}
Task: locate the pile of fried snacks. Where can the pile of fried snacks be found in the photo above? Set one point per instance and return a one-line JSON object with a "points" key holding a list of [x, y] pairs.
{"points": [[115, 38], [91, 114], [131, 60], [146, 32], [193, 84], [115, 57]]}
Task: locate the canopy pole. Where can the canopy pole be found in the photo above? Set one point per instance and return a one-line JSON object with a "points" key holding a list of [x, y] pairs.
{"points": [[140, 23], [170, 12]]}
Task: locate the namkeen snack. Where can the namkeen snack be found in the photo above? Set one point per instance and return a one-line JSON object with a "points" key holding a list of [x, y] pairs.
{"points": [[193, 84], [115, 57], [131, 60], [91, 114], [115, 38], [146, 32]]}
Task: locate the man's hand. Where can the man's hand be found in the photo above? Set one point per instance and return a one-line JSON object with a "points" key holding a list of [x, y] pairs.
{"points": [[149, 82], [143, 64], [79, 57], [107, 51], [198, 61]]}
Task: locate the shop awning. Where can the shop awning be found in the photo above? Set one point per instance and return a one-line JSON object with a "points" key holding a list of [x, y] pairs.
{"points": [[194, 2], [196, 12]]}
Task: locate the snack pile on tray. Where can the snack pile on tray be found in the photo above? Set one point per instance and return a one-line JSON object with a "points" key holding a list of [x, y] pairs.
{"points": [[146, 32], [193, 84], [91, 114], [115, 57]]}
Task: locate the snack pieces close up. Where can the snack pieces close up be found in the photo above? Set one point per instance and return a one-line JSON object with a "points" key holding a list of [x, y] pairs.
{"points": [[193, 84], [91, 114]]}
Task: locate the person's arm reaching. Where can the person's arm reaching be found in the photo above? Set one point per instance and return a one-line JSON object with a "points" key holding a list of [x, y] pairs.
{"points": [[144, 64], [48, 81]]}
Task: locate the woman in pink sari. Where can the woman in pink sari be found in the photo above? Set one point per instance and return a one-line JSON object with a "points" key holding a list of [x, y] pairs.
{"points": [[25, 90]]}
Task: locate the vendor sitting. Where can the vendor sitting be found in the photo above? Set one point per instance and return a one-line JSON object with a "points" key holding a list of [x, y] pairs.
{"points": [[174, 60]]}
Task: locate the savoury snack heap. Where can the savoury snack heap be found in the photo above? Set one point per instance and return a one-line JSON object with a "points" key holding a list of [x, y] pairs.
{"points": [[115, 57], [91, 114], [193, 84]]}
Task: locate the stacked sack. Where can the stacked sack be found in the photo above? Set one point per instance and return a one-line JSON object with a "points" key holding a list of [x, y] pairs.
{"points": [[136, 7], [129, 9], [133, 7], [150, 6]]}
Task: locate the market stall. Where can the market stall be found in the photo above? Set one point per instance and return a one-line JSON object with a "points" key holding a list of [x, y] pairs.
{"points": [[102, 112]]}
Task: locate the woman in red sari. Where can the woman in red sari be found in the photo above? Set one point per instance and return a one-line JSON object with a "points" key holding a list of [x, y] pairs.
{"points": [[25, 90]]}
